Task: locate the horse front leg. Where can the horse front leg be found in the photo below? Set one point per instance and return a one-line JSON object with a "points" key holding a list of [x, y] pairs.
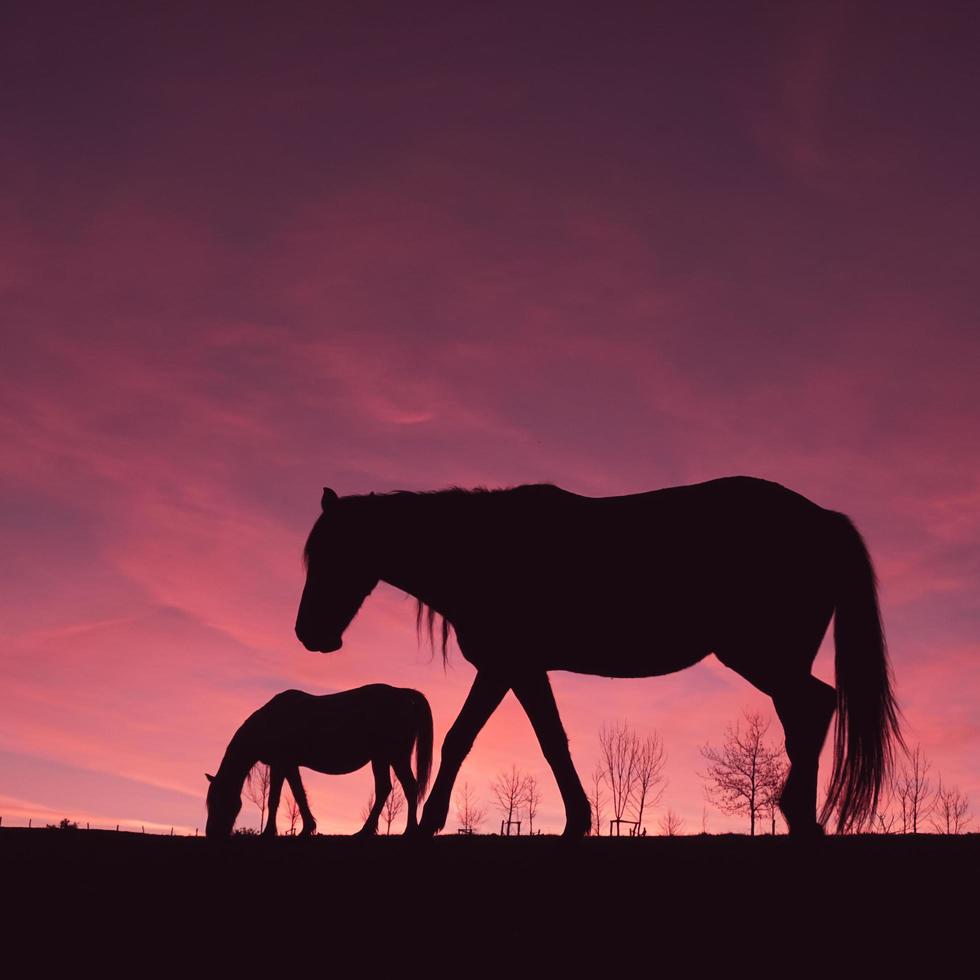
{"points": [[536, 697], [276, 776], [485, 695]]}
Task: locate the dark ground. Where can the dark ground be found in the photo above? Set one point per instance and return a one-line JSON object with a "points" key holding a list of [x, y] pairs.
{"points": [[519, 903]]}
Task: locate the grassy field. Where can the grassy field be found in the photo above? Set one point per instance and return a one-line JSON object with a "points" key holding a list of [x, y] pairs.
{"points": [[703, 893]]}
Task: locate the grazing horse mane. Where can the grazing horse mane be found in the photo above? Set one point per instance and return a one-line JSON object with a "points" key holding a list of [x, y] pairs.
{"points": [[449, 502]]}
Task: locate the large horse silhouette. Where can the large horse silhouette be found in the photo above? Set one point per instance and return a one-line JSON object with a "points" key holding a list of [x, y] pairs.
{"points": [[535, 578], [329, 733]]}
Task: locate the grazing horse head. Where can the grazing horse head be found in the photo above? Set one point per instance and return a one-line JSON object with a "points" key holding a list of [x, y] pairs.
{"points": [[224, 802], [339, 577]]}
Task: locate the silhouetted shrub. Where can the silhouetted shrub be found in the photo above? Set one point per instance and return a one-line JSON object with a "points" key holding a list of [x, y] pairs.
{"points": [[65, 824]]}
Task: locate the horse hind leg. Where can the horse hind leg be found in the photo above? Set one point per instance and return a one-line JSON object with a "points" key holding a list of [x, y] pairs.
{"points": [[805, 710], [805, 706]]}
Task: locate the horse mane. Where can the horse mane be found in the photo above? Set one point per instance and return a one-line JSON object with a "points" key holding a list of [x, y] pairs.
{"points": [[425, 615]]}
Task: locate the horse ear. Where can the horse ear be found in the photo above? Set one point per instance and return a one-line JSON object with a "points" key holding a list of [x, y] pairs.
{"points": [[210, 778], [328, 498]]}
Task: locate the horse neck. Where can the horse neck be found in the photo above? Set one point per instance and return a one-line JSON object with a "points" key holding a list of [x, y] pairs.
{"points": [[237, 762], [412, 543]]}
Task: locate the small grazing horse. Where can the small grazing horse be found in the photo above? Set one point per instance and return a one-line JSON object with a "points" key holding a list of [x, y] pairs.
{"points": [[535, 578], [330, 733]]}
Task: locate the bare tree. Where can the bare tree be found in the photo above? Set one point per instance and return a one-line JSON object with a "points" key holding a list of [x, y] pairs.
{"points": [[292, 811], [619, 748], [469, 813], [951, 810], [510, 791], [532, 801], [773, 780], [671, 824], [912, 788], [393, 806], [256, 789], [650, 783], [738, 772], [597, 799], [883, 820]]}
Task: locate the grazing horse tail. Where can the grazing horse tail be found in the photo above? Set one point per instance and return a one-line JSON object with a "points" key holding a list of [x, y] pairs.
{"points": [[423, 742], [867, 727]]}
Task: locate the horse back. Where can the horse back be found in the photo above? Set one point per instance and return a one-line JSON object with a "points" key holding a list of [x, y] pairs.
{"points": [[676, 564], [333, 733]]}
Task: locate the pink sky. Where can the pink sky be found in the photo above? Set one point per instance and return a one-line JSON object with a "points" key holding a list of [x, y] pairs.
{"points": [[382, 247]]}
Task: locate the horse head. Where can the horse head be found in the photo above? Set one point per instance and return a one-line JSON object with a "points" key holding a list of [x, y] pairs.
{"points": [[338, 577], [224, 803]]}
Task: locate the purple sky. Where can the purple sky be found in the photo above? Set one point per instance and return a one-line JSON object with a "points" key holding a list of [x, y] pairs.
{"points": [[379, 246]]}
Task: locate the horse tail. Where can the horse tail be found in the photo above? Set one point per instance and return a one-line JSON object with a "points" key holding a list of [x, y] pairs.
{"points": [[423, 742], [867, 726]]}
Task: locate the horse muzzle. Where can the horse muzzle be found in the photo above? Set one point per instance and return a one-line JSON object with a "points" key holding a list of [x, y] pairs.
{"points": [[319, 645]]}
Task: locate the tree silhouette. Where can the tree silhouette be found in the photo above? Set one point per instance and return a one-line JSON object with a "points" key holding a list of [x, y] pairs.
{"points": [[469, 812], [883, 820], [739, 772], [632, 768], [951, 810], [532, 800], [597, 800], [510, 791], [671, 824], [393, 807], [292, 811], [256, 789], [772, 787], [619, 747], [912, 788], [648, 789]]}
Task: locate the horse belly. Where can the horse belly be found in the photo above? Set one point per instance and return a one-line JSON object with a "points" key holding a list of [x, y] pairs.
{"points": [[613, 657], [336, 761]]}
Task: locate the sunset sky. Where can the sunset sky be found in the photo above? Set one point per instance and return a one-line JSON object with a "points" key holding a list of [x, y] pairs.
{"points": [[246, 253]]}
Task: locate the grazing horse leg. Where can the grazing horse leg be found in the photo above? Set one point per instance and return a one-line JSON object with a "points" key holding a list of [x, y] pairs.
{"points": [[299, 795], [535, 694], [805, 710], [485, 695], [403, 770], [276, 777], [382, 787]]}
